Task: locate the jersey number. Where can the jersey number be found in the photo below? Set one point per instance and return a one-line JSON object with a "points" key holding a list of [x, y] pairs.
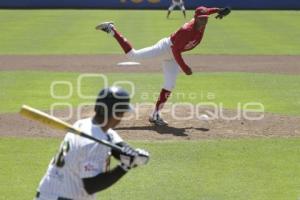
{"points": [[59, 159]]}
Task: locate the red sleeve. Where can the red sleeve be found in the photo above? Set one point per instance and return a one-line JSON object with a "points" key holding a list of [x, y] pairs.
{"points": [[179, 60], [179, 42], [213, 10]]}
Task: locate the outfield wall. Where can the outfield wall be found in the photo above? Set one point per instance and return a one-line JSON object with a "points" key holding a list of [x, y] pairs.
{"points": [[150, 4]]}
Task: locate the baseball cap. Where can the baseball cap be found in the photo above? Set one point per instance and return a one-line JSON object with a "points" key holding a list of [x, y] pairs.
{"points": [[201, 11], [112, 100]]}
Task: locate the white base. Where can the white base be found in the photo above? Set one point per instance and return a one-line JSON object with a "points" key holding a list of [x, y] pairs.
{"points": [[128, 63]]}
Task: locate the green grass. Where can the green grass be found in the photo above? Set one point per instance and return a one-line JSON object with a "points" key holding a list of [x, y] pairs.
{"points": [[72, 31], [211, 169], [244, 169], [278, 93]]}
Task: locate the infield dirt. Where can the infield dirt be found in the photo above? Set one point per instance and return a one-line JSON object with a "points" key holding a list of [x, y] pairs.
{"points": [[272, 125]]}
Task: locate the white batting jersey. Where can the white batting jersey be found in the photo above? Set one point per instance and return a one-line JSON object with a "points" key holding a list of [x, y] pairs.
{"points": [[78, 158]]}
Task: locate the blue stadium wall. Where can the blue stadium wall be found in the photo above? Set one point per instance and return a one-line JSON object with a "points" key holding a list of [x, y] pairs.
{"points": [[150, 4]]}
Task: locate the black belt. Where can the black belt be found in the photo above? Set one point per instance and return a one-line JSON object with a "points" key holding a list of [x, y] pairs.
{"points": [[58, 198]]}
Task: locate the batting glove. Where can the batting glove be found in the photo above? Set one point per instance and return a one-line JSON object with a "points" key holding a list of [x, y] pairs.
{"points": [[131, 158]]}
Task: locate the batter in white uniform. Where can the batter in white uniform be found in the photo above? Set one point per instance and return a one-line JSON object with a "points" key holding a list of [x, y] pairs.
{"points": [[81, 167]]}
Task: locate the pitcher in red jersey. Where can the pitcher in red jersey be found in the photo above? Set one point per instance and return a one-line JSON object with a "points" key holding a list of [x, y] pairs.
{"points": [[170, 50]]}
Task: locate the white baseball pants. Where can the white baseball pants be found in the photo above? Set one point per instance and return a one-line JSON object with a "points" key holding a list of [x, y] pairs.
{"points": [[177, 4], [162, 49]]}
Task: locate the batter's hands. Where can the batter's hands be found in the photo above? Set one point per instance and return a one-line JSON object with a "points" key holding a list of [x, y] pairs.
{"points": [[142, 158], [188, 71], [223, 12], [131, 158]]}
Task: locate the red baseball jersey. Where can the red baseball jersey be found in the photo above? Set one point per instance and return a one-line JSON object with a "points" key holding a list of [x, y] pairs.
{"points": [[187, 38]]}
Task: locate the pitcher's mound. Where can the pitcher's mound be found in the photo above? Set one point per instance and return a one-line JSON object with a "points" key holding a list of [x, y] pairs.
{"points": [[135, 126]]}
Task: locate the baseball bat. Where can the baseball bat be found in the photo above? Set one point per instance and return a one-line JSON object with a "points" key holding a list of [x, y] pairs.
{"points": [[56, 123]]}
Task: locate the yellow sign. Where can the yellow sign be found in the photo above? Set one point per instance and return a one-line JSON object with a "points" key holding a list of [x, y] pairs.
{"points": [[137, 1], [153, 1]]}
